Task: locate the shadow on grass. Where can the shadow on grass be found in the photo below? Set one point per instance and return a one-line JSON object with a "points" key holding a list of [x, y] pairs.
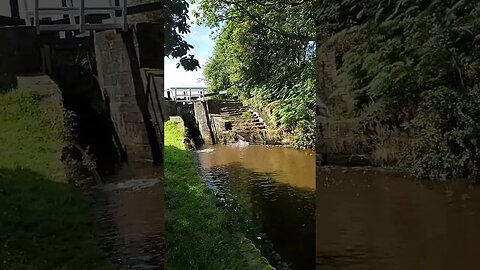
{"points": [[45, 224]]}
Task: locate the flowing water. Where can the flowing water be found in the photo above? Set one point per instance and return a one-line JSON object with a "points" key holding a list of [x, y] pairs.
{"points": [[129, 211], [275, 186], [383, 221]]}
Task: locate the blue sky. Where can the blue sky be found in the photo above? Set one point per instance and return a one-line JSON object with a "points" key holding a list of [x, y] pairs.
{"points": [[199, 38]]}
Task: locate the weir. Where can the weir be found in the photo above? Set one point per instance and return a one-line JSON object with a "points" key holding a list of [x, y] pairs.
{"points": [[215, 120]]}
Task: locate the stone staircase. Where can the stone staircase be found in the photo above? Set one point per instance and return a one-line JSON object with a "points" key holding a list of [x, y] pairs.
{"points": [[245, 123]]}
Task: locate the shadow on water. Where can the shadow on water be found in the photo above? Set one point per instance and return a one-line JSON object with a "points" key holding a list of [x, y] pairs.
{"points": [[281, 215], [367, 219]]}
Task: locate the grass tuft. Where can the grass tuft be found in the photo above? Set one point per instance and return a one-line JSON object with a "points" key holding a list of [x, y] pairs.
{"points": [[45, 223]]}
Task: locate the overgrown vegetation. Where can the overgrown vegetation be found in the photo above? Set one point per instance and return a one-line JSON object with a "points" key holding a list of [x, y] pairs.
{"points": [[199, 235], [266, 50], [44, 222], [407, 66]]}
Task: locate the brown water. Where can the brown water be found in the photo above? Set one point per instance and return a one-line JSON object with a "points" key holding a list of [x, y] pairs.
{"points": [[276, 187], [129, 210], [382, 221]]}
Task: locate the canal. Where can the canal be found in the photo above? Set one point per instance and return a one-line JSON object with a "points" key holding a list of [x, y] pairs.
{"points": [[275, 187], [371, 219]]}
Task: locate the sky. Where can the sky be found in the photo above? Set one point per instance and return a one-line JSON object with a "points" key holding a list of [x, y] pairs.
{"points": [[199, 38]]}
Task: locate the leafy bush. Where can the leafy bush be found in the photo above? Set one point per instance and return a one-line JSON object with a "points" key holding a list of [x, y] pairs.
{"points": [[273, 64], [413, 66]]}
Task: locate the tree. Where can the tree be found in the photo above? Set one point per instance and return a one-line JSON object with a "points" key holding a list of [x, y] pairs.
{"points": [[176, 26], [265, 50]]}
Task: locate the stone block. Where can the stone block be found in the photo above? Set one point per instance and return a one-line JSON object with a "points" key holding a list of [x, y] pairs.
{"points": [[201, 116], [117, 78]]}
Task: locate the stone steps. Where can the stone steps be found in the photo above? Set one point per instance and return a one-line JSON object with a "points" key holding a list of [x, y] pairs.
{"points": [[233, 113], [240, 123], [240, 107], [249, 127]]}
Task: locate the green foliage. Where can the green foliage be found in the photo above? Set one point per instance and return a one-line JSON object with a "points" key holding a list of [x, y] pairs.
{"points": [[266, 50], [412, 66], [246, 115]]}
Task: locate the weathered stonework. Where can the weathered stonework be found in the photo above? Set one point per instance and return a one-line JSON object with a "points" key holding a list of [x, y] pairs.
{"points": [[134, 94], [201, 115], [339, 144]]}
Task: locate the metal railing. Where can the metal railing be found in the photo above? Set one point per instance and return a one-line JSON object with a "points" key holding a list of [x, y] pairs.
{"points": [[186, 94], [76, 13]]}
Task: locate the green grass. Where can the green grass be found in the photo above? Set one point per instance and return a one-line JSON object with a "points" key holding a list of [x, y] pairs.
{"points": [[45, 223], [246, 115], [199, 235]]}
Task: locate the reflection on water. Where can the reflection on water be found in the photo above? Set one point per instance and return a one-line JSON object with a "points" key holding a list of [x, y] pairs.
{"points": [[375, 220], [291, 166], [275, 186]]}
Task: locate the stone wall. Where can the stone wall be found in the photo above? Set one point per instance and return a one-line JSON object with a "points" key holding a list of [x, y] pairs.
{"points": [[338, 143], [130, 95], [214, 105]]}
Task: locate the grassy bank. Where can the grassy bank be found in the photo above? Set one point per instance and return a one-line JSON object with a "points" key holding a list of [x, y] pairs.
{"points": [[44, 221], [199, 235]]}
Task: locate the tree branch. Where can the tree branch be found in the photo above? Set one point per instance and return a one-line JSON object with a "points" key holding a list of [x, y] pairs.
{"points": [[265, 25]]}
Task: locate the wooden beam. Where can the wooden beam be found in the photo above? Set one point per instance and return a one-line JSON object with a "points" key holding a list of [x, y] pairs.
{"points": [[37, 16], [125, 16], [69, 27], [82, 16], [142, 8], [27, 15], [9, 21]]}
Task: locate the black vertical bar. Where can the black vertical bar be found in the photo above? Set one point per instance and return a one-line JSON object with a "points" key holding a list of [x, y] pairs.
{"points": [[14, 9], [64, 4]]}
